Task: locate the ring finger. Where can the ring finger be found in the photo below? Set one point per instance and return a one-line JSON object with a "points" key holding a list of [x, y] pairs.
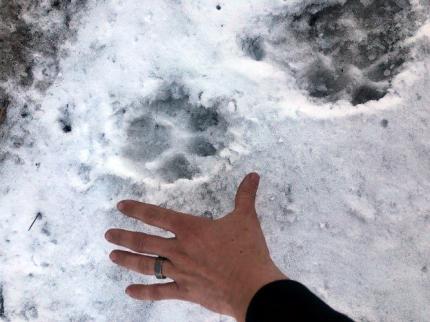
{"points": [[141, 263]]}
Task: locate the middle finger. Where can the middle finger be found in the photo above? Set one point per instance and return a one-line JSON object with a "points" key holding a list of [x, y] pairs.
{"points": [[141, 242]]}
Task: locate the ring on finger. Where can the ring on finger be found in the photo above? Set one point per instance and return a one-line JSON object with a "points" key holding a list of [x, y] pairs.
{"points": [[158, 267]]}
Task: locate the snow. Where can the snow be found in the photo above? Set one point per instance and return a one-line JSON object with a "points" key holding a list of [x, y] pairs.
{"points": [[163, 101]]}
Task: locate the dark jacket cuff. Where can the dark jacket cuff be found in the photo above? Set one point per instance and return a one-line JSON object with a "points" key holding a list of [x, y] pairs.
{"points": [[287, 300]]}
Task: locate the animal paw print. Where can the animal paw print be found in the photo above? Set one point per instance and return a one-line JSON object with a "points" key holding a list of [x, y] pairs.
{"points": [[339, 51], [175, 135]]}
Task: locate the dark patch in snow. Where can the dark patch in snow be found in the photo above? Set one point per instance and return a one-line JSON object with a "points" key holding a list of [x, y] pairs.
{"points": [[31, 36], [202, 147], [24, 111], [384, 123], [2, 309], [84, 172], [4, 104], [202, 118], [45, 230], [178, 167], [340, 51], [366, 93], [29, 312], [356, 36], [65, 120], [171, 125], [65, 127], [253, 47], [148, 138]]}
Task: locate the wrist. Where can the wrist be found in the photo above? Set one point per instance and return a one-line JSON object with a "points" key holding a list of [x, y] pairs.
{"points": [[249, 289]]}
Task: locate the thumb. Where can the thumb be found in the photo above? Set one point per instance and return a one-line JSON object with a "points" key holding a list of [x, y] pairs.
{"points": [[247, 191]]}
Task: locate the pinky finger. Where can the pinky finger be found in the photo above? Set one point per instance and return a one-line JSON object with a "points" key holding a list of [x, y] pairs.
{"points": [[154, 292]]}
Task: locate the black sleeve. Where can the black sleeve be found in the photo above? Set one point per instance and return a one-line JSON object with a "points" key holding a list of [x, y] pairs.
{"points": [[289, 301]]}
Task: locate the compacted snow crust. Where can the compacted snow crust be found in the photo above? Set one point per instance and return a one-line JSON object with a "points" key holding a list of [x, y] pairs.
{"points": [[172, 103]]}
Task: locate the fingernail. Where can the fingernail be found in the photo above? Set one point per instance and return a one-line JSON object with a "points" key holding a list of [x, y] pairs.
{"points": [[108, 236], [113, 256], [120, 205]]}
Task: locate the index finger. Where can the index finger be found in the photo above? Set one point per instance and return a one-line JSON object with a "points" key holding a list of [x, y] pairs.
{"points": [[152, 215]]}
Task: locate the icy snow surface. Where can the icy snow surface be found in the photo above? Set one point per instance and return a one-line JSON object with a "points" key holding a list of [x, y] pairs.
{"points": [[172, 102]]}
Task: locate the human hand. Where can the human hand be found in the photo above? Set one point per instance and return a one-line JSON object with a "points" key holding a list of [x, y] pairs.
{"points": [[219, 264]]}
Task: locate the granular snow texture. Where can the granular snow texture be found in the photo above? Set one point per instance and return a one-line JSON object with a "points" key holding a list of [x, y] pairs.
{"points": [[172, 103]]}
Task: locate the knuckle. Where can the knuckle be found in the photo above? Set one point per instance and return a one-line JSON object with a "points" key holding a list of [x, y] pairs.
{"points": [[193, 234], [168, 267], [181, 259], [139, 242], [142, 265], [187, 289], [179, 294], [245, 207], [186, 237], [153, 293], [148, 215], [184, 290], [151, 214], [181, 276], [171, 249]]}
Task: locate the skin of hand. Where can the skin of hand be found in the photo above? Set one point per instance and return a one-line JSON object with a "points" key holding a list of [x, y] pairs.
{"points": [[219, 264]]}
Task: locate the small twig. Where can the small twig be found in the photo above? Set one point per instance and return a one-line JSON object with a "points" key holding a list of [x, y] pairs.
{"points": [[39, 215]]}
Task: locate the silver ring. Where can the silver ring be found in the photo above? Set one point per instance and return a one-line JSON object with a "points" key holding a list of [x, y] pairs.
{"points": [[158, 267]]}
